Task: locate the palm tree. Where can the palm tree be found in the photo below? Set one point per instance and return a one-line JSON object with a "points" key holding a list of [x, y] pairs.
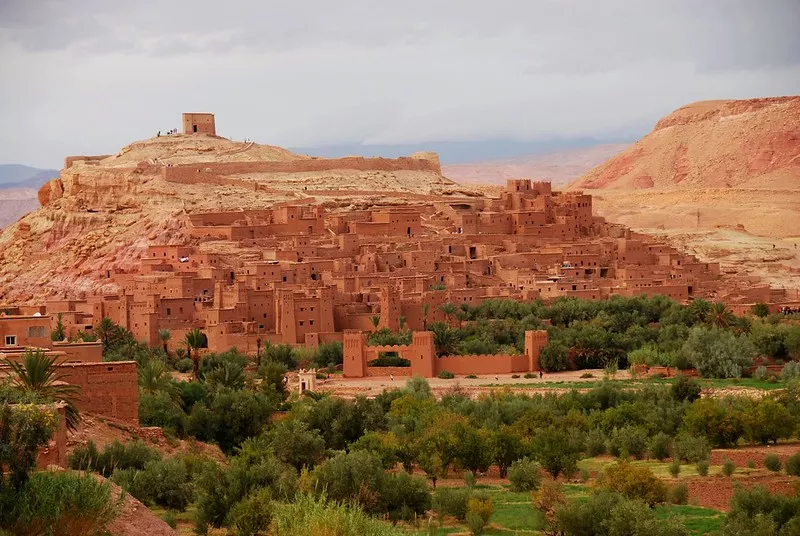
{"points": [[165, 335], [720, 316], [38, 374], [154, 377], [444, 339], [108, 332], [194, 341], [449, 310], [258, 353], [425, 307], [375, 319], [401, 322]]}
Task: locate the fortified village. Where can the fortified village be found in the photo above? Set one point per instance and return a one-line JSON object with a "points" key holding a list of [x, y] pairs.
{"points": [[308, 270]]}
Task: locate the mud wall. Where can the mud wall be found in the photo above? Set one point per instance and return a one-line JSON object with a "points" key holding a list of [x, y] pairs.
{"points": [[107, 389]]}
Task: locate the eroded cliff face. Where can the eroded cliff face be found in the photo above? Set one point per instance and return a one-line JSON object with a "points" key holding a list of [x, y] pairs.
{"points": [[751, 143], [102, 213]]}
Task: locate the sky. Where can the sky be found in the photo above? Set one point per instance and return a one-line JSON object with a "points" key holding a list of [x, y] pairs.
{"points": [[90, 76]]}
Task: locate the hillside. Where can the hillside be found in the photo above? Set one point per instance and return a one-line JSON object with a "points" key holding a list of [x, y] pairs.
{"points": [[711, 144], [559, 167], [102, 212]]}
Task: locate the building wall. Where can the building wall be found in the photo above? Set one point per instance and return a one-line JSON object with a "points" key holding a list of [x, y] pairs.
{"points": [[201, 123], [21, 331], [107, 389]]}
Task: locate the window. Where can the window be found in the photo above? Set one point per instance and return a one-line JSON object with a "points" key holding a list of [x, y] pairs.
{"points": [[37, 332], [310, 322], [169, 311], [301, 322], [11, 340]]}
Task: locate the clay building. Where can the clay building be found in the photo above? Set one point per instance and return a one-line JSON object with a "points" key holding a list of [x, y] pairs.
{"points": [[199, 123]]}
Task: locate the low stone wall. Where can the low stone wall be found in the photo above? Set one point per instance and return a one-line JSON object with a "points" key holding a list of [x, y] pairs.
{"points": [[482, 364], [373, 372]]}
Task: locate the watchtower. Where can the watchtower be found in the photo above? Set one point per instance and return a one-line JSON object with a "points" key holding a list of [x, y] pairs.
{"points": [[194, 123]]}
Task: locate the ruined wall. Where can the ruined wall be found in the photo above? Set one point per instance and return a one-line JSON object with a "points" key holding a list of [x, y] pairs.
{"points": [[107, 389], [210, 171]]}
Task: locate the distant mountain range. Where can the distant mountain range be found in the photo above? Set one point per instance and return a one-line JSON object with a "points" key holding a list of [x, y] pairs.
{"points": [[19, 176]]}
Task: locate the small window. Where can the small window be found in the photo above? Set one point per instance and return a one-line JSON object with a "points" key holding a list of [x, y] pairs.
{"points": [[11, 340], [310, 322], [301, 322]]}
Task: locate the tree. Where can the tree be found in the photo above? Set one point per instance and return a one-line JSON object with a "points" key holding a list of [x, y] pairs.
{"points": [[425, 307], [449, 309], [165, 335], [720, 316], [445, 340], [718, 353], [375, 319], [401, 322], [38, 374], [505, 447], [153, 378], [634, 482], [23, 429], [293, 443], [767, 420], [556, 450], [720, 421], [58, 334], [760, 309], [109, 333], [356, 477], [194, 340]]}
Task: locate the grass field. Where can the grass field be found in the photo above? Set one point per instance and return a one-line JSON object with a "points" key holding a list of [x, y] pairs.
{"points": [[514, 514]]}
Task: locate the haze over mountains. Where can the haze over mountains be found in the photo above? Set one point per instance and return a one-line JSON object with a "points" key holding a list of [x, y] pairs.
{"points": [[18, 187]]}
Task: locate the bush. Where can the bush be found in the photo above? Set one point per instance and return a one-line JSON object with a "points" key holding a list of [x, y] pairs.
{"points": [[595, 442], [690, 449], [308, 515], [479, 512], [446, 375], [634, 482], [790, 371], [529, 376], [451, 502], [330, 353], [660, 446], [587, 375], [679, 494], [58, 503], [474, 377], [515, 376], [773, 463], [553, 357], [761, 373], [702, 468], [469, 479], [719, 420], [169, 519], [792, 465], [131, 455], [252, 515], [293, 443], [355, 477], [184, 365], [767, 420], [405, 496], [585, 475], [524, 475], [557, 450], [751, 464], [685, 388], [718, 353], [165, 483], [675, 468], [628, 441], [728, 467], [159, 409]]}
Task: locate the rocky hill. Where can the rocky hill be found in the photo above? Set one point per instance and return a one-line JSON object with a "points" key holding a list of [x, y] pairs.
{"points": [[102, 212], [711, 144], [559, 167]]}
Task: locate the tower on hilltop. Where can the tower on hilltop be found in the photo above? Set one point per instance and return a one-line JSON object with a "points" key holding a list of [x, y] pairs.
{"points": [[199, 123]]}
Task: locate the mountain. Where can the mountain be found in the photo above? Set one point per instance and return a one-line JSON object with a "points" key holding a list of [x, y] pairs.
{"points": [[752, 143], [559, 167], [19, 176]]}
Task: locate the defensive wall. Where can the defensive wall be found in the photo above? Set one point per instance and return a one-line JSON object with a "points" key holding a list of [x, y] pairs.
{"points": [[201, 172], [421, 354]]}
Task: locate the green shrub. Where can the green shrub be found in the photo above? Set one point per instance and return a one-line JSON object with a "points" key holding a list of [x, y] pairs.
{"points": [[679, 493], [405, 496], [472, 376], [451, 502], [307, 515], [59, 503], [586, 375], [660, 446], [585, 475], [761, 373], [524, 475], [634, 482], [165, 483], [515, 376], [718, 353], [169, 519], [553, 357], [159, 409], [675, 468], [702, 468], [685, 388], [790, 371], [469, 479], [131, 455], [773, 463], [528, 376], [792, 465], [252, 515], [751, 464], [690, 449], [446, 375], [728, 467], [595, 442], [184, 365], [330, 353], [354, 477], [628, 441], [479, 512]]}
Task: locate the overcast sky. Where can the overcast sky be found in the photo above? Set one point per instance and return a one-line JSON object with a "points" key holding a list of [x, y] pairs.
{"points": [[89, 76]]}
